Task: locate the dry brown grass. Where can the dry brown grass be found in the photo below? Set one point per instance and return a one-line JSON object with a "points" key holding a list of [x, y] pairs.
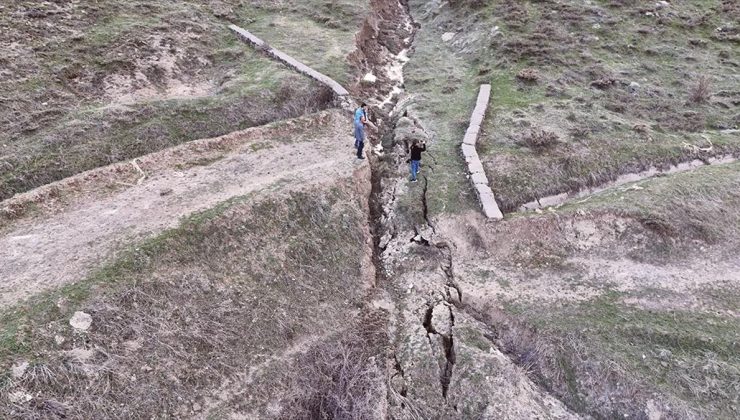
{"points": [[700, 91], [342, 377], [187, 311], [570, 369], [528, 75], [540, 139]]}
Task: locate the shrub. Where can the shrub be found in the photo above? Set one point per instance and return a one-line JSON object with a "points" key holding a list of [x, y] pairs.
{"points": [[337, 379], [603, 83], [528, 75], [700, 91], [540, 139]]}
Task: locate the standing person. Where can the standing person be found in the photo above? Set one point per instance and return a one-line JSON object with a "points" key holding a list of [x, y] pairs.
{"points": [[360, 123], [417, 146]]}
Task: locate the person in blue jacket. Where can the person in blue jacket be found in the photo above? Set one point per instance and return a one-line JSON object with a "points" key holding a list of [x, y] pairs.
{"points": [[360, 123]]}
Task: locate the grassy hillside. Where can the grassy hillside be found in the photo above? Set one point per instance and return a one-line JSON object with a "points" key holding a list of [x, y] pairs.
{"points": [[182, 315], [582, 92], [625, 300], [87, 84]]}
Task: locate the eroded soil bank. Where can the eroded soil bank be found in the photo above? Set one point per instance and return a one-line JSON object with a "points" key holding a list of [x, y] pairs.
{"points": [[441, 362]]}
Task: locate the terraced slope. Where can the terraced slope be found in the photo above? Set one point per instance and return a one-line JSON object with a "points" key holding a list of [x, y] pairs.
{"points": [[86, 84]]}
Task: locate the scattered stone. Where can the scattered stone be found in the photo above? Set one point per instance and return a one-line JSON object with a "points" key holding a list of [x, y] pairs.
{"points": [[59, 340], [447, 36], [369, 78], [19, 369], [19, 397], [634, 87], [196, 407], [665, 354], [81, 321], [662, 4], [441, 320], [166, 191]]}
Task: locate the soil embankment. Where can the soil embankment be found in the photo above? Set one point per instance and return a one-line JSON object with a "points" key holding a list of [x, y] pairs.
{"points": [[440, 363], [46, 251]]}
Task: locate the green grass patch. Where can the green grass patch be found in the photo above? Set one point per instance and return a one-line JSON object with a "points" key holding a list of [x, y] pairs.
{"points": [[688, 355]]}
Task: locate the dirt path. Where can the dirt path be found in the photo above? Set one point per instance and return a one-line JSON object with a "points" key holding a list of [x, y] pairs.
{"points": [[41, 253]]}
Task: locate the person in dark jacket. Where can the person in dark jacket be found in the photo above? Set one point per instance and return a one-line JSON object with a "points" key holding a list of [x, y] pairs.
{"points": [[417, 147]]}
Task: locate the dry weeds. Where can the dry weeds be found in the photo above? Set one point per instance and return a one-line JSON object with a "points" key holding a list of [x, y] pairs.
{"points": [[540, 139], [186, 311], [700, 92]]}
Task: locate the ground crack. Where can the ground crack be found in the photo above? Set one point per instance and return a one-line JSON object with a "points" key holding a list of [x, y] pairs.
{"points": [[425, 206], [441, 339]]}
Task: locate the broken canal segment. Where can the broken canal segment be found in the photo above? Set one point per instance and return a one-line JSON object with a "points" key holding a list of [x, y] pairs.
{"points": [[475, 168], [291, 62]]}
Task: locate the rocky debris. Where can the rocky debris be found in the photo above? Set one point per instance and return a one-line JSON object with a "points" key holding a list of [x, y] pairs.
{"points": [[447, 36], [19, 397], [407, 130], [441, 321], [634, 87], [369, 78], [662, 5], [18, 369], [81, 321]]}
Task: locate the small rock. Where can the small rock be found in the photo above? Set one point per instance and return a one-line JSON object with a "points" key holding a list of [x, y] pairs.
{"points": [[665, 354], [59, 340], [634, 86], [662, 4], [19, 369], [81, 321], [19, 397], [369, 78], [166, 191], [196, 407], [447, 36]]}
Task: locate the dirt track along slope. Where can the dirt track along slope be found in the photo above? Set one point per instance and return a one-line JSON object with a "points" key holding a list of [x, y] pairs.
{"points": [[49, 251]]}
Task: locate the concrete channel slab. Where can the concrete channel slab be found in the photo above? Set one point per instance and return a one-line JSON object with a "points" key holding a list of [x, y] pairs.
{"points": [[291, 62], [479, 178], [470, 139], [469, 153], [488, 202], [475, 168]]}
